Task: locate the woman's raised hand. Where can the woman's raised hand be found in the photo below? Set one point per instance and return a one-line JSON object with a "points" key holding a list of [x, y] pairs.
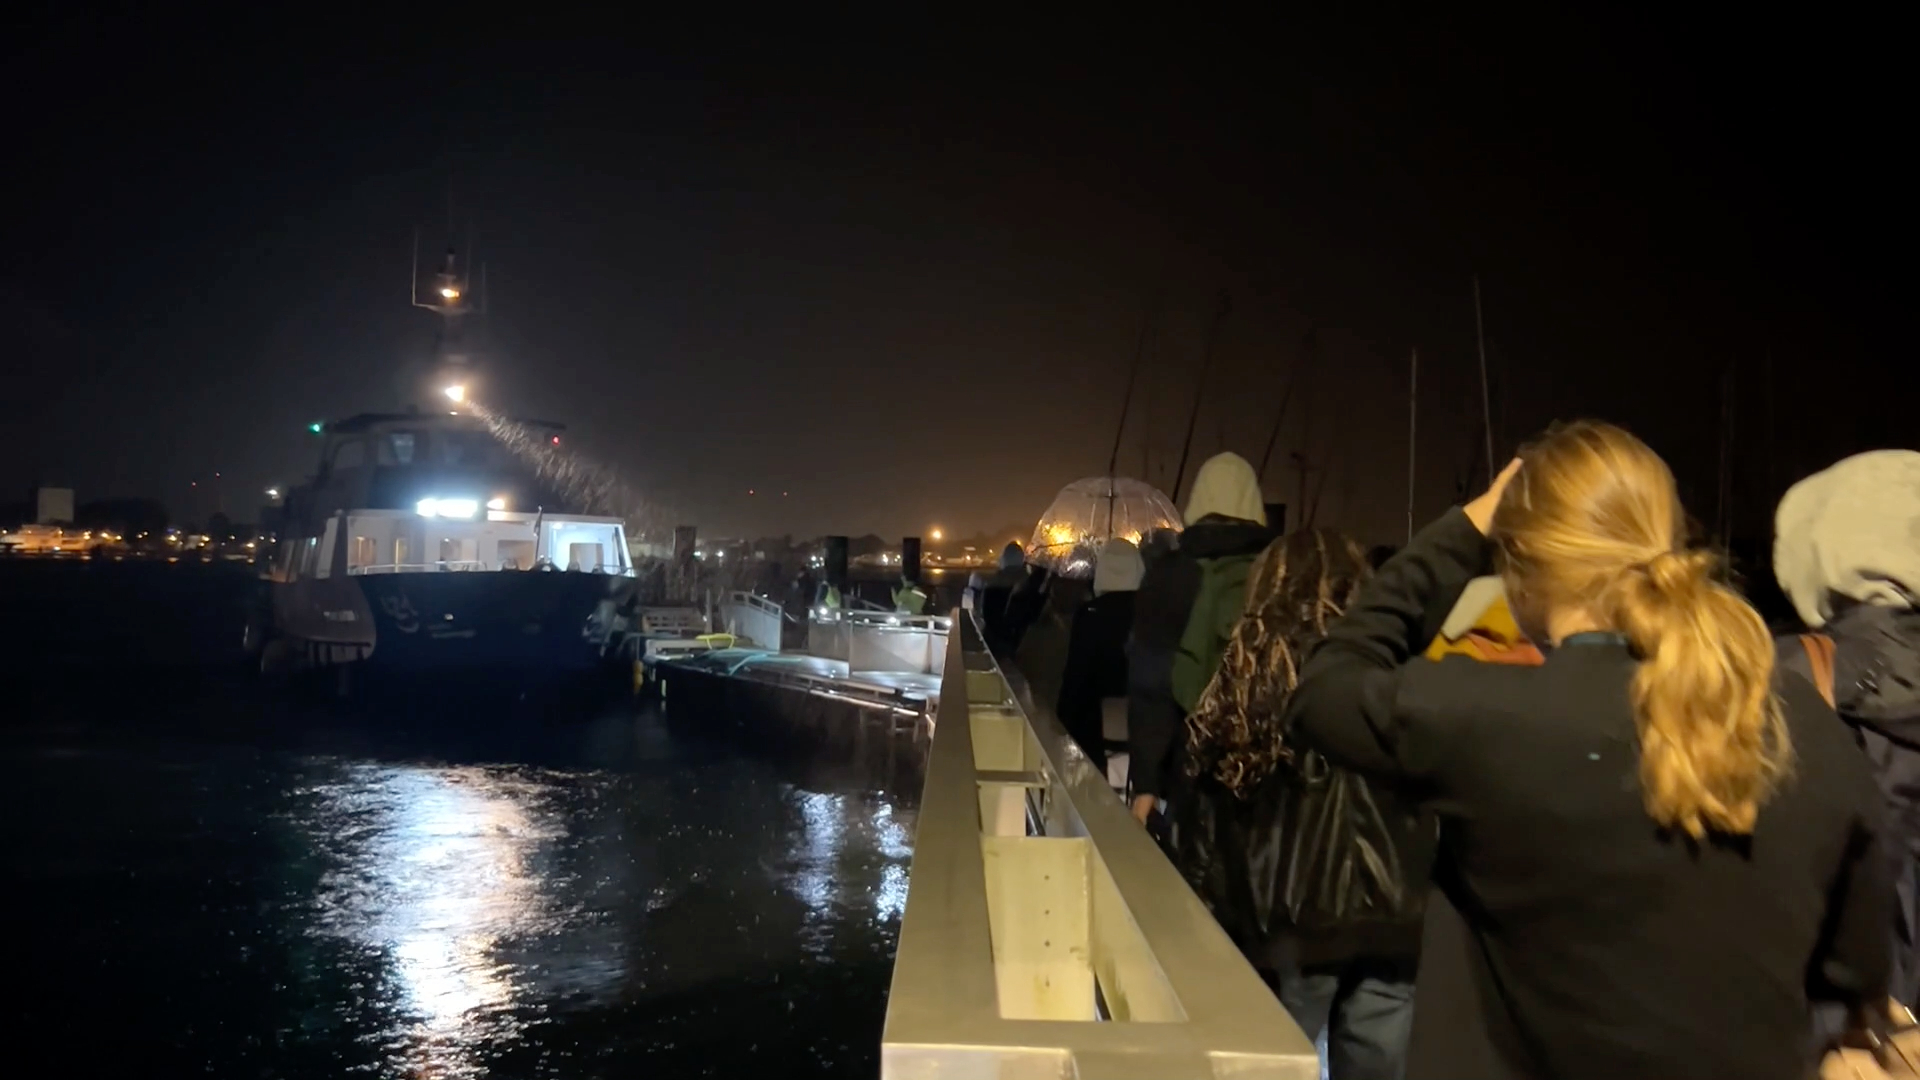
{"points": [[1480, 510]]}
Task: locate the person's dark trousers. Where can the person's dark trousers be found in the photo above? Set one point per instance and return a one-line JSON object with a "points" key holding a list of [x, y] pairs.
{"points": [[1086, 731], [1365, 1009]]}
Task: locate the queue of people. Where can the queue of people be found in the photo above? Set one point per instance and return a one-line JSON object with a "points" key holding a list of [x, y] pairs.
{"points": [[1538, 794]]}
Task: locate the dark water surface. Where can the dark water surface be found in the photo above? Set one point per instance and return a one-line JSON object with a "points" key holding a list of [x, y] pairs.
{"points": [[207, 880]]}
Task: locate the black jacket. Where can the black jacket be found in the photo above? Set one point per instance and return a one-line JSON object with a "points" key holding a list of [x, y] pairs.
{"points": [[1572, 938], [1876, 686], [1160, 609], [999, 622], [1096, 669]]}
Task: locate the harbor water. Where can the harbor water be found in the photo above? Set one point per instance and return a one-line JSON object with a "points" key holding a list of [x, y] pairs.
{"points": [[210, 879]]}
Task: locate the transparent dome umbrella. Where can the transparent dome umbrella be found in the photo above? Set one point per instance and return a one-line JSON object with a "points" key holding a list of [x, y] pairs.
{"points": [[1086, 512]]}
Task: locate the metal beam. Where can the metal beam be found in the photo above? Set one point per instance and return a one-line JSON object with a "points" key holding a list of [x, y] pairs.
{"points": [[1031, 886]]}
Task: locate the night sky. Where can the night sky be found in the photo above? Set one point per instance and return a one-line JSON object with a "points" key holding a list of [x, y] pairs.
{"points": [[901, 277]]}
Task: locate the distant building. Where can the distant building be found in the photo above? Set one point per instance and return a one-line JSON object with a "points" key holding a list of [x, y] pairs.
{"points": [[53, 506], [640, 547]]}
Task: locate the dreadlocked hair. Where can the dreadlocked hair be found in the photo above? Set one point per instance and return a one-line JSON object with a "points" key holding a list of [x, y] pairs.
{"points": [[1302, 582]]}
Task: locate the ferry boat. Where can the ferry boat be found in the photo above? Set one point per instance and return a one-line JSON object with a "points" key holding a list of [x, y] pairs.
{"points": [[424, 543], [414, 549]]}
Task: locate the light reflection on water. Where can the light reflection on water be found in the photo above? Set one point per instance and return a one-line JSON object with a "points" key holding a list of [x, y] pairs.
{"points": [[595, 899], [439, 870], [854, 854]]}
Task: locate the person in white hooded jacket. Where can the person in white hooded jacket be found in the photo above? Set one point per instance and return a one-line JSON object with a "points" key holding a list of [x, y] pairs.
{"points": [[1847, 554], [1226, 519]]}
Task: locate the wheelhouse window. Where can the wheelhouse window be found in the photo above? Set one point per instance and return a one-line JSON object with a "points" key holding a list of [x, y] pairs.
{"points": [[470, 449], [584, 557], [516, 554], [397, 448], [457, 549], [362, 554]]}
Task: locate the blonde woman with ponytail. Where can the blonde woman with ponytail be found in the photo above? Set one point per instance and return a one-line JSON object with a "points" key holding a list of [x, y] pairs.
{"points": [[1656, 851]]}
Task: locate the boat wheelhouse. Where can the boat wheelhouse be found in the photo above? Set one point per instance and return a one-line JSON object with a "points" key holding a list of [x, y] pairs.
{"points": [[424, 542]]}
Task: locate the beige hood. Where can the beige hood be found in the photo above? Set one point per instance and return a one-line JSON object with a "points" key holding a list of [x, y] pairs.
{"points": [[1851, 533], [1227, 486]]}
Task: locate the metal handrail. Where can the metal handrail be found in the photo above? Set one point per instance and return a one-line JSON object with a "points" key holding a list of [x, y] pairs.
{"points": [[755, 600], [1045, 934], [450, 565], [893, 620]]}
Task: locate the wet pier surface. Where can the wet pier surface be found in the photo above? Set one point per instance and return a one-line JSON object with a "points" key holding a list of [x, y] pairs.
{"points": [[208, 880]]}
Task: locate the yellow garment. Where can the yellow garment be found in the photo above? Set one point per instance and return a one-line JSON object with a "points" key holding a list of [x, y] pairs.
{"points": [[909, 600], [1493, 637]]}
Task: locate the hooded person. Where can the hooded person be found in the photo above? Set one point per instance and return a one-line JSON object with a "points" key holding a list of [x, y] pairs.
{"points": [[1318, 874], [1158, 544], [1186, 609], [1096, 667], [1847, 554], [994, 597]]}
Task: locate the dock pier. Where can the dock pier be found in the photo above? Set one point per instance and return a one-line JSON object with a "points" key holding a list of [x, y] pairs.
{"points": [[1045, 934]]}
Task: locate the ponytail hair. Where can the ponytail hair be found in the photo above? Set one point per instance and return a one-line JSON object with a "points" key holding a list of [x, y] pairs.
{"points": [[1593, 522]]}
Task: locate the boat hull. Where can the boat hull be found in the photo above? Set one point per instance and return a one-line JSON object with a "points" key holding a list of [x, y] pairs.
{"points": [[420, 623], [527, 619]]}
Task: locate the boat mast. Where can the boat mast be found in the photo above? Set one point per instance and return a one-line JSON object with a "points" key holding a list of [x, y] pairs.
{"points": [[1723, 503], [450, 297], [1486, 406], [1308, 348], [1413, 416], [1126, 405], [1200, 392]]}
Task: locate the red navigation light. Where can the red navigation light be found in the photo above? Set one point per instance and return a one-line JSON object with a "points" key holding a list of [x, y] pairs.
{"points": [[556, 440]]}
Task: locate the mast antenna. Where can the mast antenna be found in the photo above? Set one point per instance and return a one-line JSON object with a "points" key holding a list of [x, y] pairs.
{"points": [[1200, 391], [1486, 408]]}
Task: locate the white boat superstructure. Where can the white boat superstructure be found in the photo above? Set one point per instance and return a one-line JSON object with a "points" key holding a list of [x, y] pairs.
{"points": [[360, 542]]}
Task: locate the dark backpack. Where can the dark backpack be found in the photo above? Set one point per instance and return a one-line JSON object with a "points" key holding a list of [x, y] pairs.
{"points": [[1216, 609]]}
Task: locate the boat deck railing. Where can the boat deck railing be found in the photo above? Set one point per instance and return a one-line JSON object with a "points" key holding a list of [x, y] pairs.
{"points": [[754, 617], [1045, 935], [884, 620], [483, 566]]}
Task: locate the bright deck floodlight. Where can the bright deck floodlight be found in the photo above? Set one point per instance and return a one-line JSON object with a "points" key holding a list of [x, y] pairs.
{"points": [[456, 393], [447, 508]]}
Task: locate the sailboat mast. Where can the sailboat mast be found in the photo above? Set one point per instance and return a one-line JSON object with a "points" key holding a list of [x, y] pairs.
{"points": [[1413, 417], [1725, 510], [1126, 405], [1309, 346], [1200, 392], [1486, 406]]}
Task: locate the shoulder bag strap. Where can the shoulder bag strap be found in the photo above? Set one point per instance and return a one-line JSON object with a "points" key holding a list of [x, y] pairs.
{"points": [[1820, 655]]}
